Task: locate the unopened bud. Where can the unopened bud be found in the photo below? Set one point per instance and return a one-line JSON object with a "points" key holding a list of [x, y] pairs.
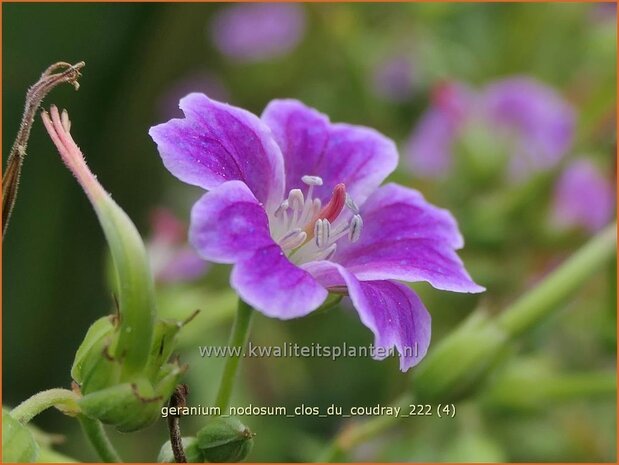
{"points": [[225, 440]]}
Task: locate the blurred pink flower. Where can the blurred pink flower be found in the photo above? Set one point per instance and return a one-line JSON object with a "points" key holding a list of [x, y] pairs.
{"points": [[528, 115], [250, 32], [583, 198], [172, 259]]}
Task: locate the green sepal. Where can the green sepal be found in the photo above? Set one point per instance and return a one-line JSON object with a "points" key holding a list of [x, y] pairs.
{"points": [[162, 346], [18, 444], [100, 369], [98, 331]]}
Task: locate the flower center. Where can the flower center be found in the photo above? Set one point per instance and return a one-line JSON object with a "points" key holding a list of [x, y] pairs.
{"points": [[307, 231]]}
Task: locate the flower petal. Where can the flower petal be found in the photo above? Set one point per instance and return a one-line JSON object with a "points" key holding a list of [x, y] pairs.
{"points": [[392, 311], [357, 156], [228, 223], [406, 238], [270, 283], [542, 120], [216, 142]]}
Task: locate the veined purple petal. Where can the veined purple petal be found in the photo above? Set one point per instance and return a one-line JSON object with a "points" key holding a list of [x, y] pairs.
{"points": [[257, 31], [583, 197], [357, 156], [228, 223], [406, 238], [216, 142], [541, 121], [391, 310], [270, 283]]}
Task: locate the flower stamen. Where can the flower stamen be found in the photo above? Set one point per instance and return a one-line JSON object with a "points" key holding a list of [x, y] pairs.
{"points": [[301, 218]]}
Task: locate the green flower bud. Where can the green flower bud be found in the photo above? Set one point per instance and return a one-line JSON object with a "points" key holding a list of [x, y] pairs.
{"points": [[460, 362], [225, 440], [129, 406], [18, 444], [98, 332], [193, 454]]}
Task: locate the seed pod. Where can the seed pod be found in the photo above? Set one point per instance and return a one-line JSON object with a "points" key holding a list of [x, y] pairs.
{"points": [[225, 440]]}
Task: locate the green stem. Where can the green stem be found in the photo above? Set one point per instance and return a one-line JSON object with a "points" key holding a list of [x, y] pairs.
{"points": [[579, 385], [62, 399], [542, 300], [238, 338], [525, 313], [93, 429]]}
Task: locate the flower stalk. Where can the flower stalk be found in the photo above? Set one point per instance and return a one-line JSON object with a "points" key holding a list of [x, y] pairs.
{"points": [[63, 399], [238, 338], [93, 429]]}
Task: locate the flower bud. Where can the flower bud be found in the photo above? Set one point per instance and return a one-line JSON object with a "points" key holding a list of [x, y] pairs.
{"points": [[225, 440], [193, 454], [18, 444]]}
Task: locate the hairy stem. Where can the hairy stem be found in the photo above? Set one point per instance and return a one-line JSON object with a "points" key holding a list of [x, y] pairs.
{"points": [[238, 338], [63, 399], [56, 74], [93, 429]]}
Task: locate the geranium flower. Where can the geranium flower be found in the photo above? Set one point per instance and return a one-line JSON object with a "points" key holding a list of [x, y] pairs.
{"points": [[294, 203], [528, 117], [583, 198], [255, 32]]}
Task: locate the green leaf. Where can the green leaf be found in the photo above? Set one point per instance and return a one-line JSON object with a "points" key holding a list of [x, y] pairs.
{"points": [[18, 444]]}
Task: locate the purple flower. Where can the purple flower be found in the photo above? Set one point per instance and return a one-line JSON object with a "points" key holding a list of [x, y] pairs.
{"points": [[171, 258], [527, 116], [393, 79], [583, 197], [294, 203], [251, 32]]}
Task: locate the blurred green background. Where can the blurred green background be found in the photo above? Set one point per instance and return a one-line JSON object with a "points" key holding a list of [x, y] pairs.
{"points": [[140, 57]]}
